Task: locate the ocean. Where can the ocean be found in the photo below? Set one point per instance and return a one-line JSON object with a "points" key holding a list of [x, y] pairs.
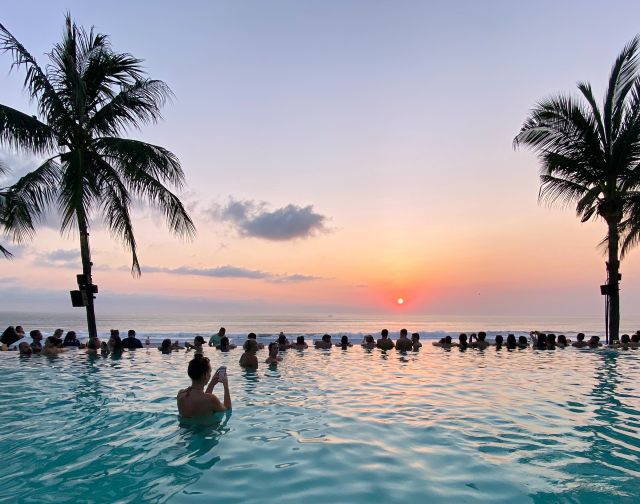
{"points": [[267, 326]]}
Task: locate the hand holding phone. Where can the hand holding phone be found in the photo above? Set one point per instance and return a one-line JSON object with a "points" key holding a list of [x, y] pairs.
{"points": [[222, 374]]}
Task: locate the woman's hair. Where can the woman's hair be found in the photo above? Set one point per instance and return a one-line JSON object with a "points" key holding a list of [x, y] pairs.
{"points": [[499, 340], [326, 337], [199, 339], [522, 340], [117, 343], [70, 336], [625, 339], [252, 335], [165, 345], [198, 367], [562, 339], [10, 331], [300, 340], [415, 335], [447, 340], [542, 341], [250, 345], [463, 340], [224, 343], [369, 339], [273, 347], [282, 339], [344, 340], [511, 340]]}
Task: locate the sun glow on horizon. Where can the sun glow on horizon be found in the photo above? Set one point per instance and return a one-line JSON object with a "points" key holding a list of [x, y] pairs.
{"points": [[400, 301]]}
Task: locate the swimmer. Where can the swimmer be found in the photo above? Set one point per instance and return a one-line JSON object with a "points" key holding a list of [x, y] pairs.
{"points": [[51, 347], [300, 344], [415, 341], [248, 359], [198, 344], [324, 343], [165, 346], [384, 343], [273, 358], [481, 341], [580, 343], [225, 345], [511, 341], [195, 401], [253, 336], [404, 344], [368, 342], [499, 341]]}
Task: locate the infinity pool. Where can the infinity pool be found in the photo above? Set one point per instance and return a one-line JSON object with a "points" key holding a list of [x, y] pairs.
{"points": [[326, 426]]}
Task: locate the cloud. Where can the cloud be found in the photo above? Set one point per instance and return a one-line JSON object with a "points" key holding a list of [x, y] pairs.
{"points": [[59, 259], [253, 220], [232, 272]]}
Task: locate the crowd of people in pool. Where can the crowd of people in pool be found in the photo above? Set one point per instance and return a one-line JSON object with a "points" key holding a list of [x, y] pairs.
{"points": [[198, 399], [14, 338]]}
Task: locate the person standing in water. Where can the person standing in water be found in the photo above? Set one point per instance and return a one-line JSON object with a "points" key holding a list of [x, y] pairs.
{"points": [[215, 339], [195, 401]]}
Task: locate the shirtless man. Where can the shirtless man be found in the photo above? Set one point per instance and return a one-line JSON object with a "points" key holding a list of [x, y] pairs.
{"points": [[248, 359], [195, 401], [580, 343], [404, 344], [480, 342], [384, 343]]}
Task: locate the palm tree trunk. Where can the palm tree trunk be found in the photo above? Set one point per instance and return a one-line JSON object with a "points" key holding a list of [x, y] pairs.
{"points": [[85, 254], [613, 267]]}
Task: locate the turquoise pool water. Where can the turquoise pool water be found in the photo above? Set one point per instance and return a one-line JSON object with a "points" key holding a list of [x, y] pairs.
{"points": [[326, 426]]}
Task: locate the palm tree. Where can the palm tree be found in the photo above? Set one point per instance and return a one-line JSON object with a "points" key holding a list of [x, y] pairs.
{"points": [[23, 210], [87, 96], [590, 157]]}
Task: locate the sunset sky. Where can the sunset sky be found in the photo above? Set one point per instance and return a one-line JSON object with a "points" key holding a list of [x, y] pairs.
{"points": [[339, 155]]}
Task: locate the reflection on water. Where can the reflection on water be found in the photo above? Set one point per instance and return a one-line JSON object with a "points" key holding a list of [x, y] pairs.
{"points": [[321, 426]]}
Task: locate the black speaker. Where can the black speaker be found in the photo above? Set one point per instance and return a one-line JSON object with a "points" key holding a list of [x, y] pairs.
{"points": [[76, 298]]}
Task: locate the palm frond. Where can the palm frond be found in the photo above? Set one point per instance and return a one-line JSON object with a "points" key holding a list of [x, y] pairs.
{"points": [[5, 253], [24, 132], [130, 156], [116, 202], [135, 104], [36, 81], [621, 79]]}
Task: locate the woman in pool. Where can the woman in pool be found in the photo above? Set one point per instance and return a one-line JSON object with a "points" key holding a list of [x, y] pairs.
{"points": [[511, 342], [368, 342], [165, 346], [283, 342], [70, 340], [344, 342], [115, 344], [462, 341], [624, 341], [51, 347], [523, 342], [499, 341], [551, 342], [198, 343], [563, 342], [248, 359], [195, 401], [225, 345], [324, 343], [273, 358], [300, 344]]}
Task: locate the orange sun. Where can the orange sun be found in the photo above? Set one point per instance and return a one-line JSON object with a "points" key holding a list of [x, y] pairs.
{"points": [[400, 301]]}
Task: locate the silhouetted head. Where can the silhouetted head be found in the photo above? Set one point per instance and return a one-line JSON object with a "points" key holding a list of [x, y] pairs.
{"points": [[369, 339], [58, 333], [199, 369], [20, 330], [580, 336], [51, 342], [594, 341], [562, 340], [131, 333], [344, 341], [116, 343], [224, 344], [222, 331], [282, 339], [511, 340], [114, 332], [70, 337], [635, 338], [273, 349], [625, 339], [542, 340], [198, 341], [165, 346], [522, 341], [384, 333], [482, 335], [24, 348], [36, 335], [300, 340], [447, 340], [499, 340], [415, 336], [551, 339], [252, 335], [250, 346], [403, 333]]}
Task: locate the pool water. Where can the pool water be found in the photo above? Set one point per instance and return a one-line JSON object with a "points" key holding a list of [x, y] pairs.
{"points": [[326, 426]]}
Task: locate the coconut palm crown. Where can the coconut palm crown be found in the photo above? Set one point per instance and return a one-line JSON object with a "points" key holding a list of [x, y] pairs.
{"points": [[87, 97], [590, 157]]}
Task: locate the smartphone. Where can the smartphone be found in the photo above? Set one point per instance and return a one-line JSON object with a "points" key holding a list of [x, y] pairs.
{"points": [[222, 373]]}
